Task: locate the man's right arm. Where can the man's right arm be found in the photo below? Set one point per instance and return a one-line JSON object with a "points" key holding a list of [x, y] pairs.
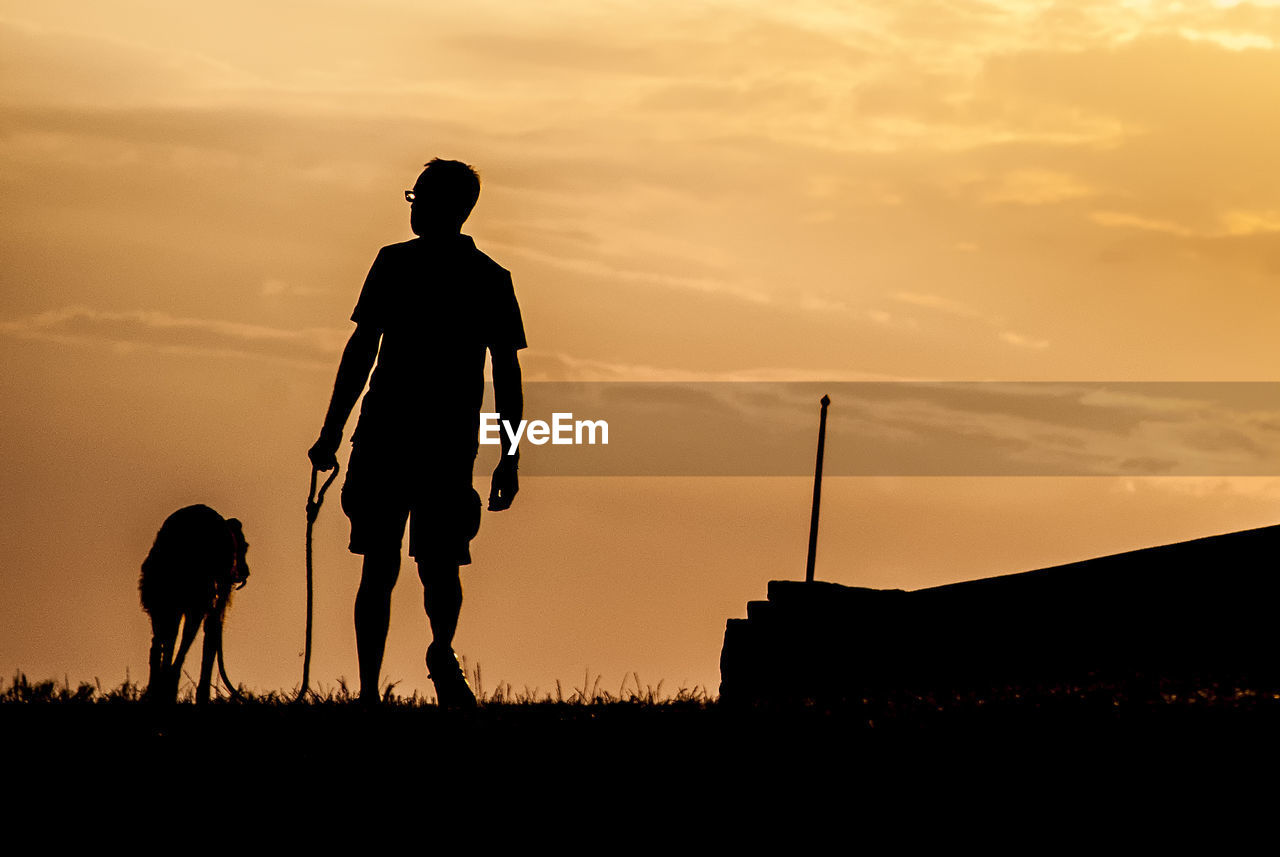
{"points": [[508, 397], [353, 373]]}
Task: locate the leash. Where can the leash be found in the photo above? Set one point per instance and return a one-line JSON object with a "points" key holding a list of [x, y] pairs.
{"points": [[313, 511]]}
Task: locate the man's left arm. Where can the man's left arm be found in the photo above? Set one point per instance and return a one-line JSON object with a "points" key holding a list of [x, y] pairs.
{"points": [[508, 396]]}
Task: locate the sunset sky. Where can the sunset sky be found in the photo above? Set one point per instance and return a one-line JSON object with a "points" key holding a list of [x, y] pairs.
{"points": [[683, 191]]}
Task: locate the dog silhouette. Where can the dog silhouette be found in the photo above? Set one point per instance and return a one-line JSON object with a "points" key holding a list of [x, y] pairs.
{"points": [[197, 560]]}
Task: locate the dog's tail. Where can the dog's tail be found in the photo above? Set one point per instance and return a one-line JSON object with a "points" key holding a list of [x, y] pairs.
{"points": [[222, 671]]}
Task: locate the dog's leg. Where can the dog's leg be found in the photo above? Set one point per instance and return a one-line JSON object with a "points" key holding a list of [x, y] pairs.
{"points": [[164, 633], [190, 625], [212, 640]]}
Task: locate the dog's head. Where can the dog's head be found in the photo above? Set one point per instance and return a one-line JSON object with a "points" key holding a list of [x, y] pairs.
{"points": [[240, 571]]}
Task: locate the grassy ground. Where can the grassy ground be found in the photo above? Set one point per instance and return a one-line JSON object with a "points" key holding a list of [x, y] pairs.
{"points": [[685, 716], [594, 753]]}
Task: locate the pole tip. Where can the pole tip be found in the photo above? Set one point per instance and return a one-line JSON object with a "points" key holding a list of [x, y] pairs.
{"points": [[826, 400]]}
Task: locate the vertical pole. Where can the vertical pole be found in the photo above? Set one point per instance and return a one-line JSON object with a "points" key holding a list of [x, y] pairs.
{"points": [[817, 492]]}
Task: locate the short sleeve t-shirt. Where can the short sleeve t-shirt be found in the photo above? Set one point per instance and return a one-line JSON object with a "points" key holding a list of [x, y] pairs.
{"points": [[439, 305]]}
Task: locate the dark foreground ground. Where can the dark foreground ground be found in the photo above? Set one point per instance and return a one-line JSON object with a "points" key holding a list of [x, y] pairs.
{"points": [[1087, 749]]}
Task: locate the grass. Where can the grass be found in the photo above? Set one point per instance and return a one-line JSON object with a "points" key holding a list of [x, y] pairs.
{"points": [[590, 692], [631, 691], [1090, 703], [634, 744]]}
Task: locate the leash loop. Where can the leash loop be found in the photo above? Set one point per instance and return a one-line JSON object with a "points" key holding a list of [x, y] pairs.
{"points": [[314, 501]]}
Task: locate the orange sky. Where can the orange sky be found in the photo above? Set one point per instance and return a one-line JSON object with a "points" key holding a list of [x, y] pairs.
{"points": [[747, 190]]}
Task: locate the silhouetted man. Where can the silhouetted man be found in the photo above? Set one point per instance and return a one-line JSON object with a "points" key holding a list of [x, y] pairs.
{"points": [[435, 304]]}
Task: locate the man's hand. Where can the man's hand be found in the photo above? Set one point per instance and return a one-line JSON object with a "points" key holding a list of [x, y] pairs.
{"points": [[505, 484], [324, 453]]}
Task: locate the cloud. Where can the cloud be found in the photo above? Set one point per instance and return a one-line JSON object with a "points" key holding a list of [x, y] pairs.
{"points": [[959, 309], [1147, 465], [1266, 488], [1125, 220], [602, 269], [53, 64], [1233, 41], [79, 325], [1238, 222], [1022, 341], [274, 288], [1037, 187], [950, 306]]}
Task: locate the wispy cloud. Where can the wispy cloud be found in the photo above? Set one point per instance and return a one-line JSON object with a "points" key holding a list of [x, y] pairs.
{"points": [[960, 309], [1126, 220], [605, 271], [942, 304], [1023, 341], [1037, 187], [272, 288], [130, 329]]}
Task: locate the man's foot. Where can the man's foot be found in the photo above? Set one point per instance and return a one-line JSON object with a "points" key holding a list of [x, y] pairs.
{"points": [[452, 690]]}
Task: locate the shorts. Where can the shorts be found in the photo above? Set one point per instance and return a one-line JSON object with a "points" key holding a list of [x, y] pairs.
{"points": [[381, 494]]}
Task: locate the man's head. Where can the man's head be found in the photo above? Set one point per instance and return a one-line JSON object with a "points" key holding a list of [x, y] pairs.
{"points": [[442, 198]]}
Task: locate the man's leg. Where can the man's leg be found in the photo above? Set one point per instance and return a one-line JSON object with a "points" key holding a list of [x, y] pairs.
{"points": [[373, 616], [441, 597]]}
